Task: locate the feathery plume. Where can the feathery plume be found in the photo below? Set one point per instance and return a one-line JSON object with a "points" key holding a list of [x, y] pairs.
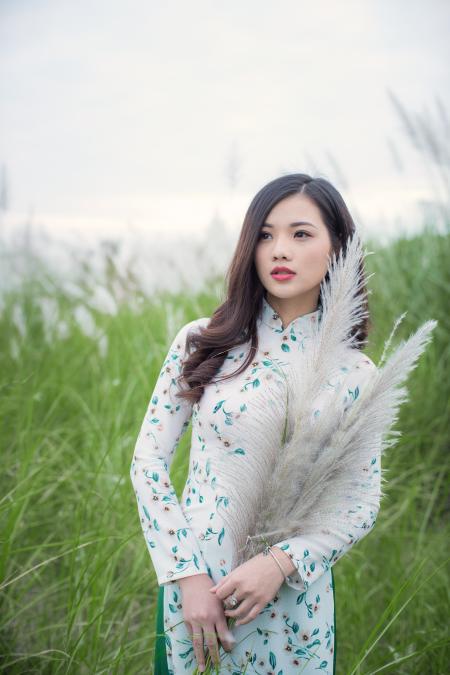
{"points": [[301, 470]]}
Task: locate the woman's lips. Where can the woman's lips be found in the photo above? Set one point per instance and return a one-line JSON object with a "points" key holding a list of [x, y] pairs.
{"points": [[283, 276]]}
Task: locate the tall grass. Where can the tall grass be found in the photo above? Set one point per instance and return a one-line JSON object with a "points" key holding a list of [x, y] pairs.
{"points": [[78, 591]]}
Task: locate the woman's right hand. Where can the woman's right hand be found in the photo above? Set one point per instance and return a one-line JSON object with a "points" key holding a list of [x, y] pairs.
{"points": [[204, 616]]}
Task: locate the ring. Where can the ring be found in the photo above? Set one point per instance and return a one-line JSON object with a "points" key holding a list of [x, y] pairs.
{"points": [[205, 633], [232, 600]]}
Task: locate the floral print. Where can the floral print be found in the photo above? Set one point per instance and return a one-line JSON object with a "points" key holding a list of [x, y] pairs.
{"points": [[295, 632]]}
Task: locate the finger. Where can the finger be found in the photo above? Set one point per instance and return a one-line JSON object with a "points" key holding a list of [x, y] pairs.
{"points": [[250, 616], [197, 641], [211, 640], [241, 610], [219, 584], [226, 637], [227, 587]]}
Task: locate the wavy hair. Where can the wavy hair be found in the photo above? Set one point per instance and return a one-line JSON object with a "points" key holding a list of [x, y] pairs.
{"points": [[234, 321]]}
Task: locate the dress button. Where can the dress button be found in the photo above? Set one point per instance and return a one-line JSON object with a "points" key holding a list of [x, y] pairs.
{"points": [[274, 315]]}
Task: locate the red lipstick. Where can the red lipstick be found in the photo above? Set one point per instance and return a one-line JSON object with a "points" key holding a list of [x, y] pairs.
{"points": [[282, 273]]}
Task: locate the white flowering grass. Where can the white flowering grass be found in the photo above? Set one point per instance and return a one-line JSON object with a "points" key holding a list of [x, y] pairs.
{"points": [[78, 592]]}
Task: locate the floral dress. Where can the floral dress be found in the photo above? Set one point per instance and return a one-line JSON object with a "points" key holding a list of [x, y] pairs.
{"points": [[296, 631]]}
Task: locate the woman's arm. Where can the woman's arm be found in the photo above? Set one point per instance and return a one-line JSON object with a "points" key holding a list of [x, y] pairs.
{"points": [[313, 554], [172, 545]]}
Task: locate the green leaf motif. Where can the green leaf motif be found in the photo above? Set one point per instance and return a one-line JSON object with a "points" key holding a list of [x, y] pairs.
{"points": [[221, 536], [239, 451], [182, 531], [285, 347], [218, 406]]}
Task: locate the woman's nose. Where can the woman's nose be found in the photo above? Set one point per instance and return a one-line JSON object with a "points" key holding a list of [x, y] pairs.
{"points": [[281, 247], [281, 250]]}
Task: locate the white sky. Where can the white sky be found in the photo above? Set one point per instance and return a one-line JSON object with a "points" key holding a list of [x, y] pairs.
{"points": [[134, 113]]}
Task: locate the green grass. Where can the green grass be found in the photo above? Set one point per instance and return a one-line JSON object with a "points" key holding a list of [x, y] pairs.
{"points": [[78, 592]]}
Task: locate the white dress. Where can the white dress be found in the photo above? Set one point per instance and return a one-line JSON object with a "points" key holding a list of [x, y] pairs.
{"points": [[296, 632]]}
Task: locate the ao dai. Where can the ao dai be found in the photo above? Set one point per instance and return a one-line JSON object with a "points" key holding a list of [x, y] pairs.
{"points": [[296, 631]]}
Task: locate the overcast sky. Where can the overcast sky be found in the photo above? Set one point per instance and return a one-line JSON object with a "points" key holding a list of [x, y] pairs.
{"points": [[167, 114]]}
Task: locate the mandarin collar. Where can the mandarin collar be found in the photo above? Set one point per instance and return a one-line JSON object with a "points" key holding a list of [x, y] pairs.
{"points": [[305, 323]]}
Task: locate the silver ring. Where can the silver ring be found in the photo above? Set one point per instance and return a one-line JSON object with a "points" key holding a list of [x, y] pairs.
{"points": [[233, 601]]}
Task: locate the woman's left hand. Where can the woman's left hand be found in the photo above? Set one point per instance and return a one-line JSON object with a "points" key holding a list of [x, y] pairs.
{"points": [[254, 583]]}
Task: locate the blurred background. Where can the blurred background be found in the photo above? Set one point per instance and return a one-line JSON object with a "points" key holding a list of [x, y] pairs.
{"points": [[133, 137]]}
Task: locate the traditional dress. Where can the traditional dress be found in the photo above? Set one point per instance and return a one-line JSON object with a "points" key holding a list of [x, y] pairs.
{"points": [[296, 631]]}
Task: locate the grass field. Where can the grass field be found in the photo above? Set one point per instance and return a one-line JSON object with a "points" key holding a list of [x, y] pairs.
{"points": [[77, 585]]}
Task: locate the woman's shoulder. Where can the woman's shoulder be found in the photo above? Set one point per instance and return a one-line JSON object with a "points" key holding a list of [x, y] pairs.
{"points": [[195, 324], [356, 361], [362, 360], [192, 326]]}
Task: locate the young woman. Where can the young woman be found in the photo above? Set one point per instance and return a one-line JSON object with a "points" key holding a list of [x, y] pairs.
{"points": [[283, 602]]}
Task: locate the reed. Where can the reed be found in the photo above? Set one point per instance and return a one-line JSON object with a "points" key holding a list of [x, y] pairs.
{"points": [[77, 589]]}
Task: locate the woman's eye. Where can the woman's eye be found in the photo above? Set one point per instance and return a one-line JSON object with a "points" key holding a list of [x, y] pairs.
{"points": [[262, 234]]}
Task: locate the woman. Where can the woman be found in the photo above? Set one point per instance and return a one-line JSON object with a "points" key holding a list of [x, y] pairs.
{"points": [[283, 599]]}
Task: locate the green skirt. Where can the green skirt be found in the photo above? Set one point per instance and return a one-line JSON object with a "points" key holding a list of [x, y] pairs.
{"points": [[160, 665]]}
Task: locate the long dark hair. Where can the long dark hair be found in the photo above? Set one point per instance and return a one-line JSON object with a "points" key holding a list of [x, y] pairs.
{"points": [[234, 321]]}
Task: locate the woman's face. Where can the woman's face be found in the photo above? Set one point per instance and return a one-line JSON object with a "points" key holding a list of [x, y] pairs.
{"points": [[293, 236]]}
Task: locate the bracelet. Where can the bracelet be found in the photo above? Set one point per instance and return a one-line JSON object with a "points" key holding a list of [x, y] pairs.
{"points": [[267, 550]]}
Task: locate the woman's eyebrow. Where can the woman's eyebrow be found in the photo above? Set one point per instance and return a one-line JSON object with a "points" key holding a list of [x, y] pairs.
{"points": [[296, 224]]}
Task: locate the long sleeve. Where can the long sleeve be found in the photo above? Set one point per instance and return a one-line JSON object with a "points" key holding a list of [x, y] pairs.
{"points": [[315, 554], [172, 545]]}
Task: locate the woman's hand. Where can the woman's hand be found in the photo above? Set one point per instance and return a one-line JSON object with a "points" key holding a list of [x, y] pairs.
{"points": [[254, 583], [203, 614]]}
